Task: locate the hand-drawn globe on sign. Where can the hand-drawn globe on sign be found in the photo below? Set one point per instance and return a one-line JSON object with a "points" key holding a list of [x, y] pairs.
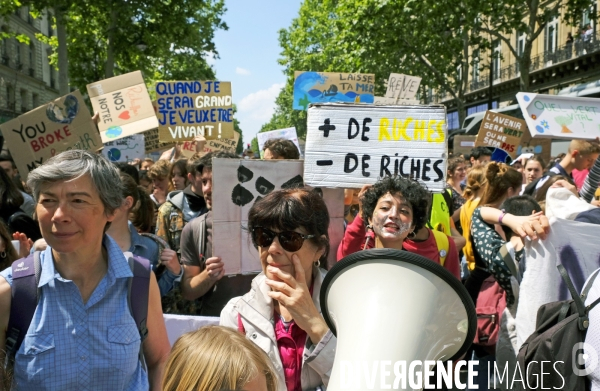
{"points": [[114, 154], [113, 132]]}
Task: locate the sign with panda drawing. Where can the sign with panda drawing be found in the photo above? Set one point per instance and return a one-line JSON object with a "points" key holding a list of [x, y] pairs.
{"points": [[239, 184]]}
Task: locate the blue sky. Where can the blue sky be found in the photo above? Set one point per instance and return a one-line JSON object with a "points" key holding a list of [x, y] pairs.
{"points": [[248, 54]]}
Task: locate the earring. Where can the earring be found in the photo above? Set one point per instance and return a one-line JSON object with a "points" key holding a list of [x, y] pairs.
{"points": [[317, 263], [3, 254], [369, 226], [411, 235]]}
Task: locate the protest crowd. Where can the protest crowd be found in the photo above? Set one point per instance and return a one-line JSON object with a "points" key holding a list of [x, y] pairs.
{"points": [[99, 259]]}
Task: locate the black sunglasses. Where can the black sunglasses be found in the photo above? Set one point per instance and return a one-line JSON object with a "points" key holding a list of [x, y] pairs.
{"points": [[289, 240]]}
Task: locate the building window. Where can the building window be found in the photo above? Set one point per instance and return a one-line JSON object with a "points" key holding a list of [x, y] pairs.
{"points": [[453, 120], [521, 39], [35, 100], [497, 59], [552, 35], [24, 101], [50, 22], [475, 76], [481, 107], [31, 59], [18, 54], [10, 98]]}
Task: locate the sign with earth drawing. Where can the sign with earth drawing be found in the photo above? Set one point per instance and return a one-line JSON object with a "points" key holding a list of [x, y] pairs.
{"points": [[321, 87]]}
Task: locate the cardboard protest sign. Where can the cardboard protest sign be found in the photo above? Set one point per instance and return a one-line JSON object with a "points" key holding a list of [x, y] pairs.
{"points": [[349, 146], [402, 87], [124, 106], [560, 116], [383, 101], [189, 148], [287, 133], [187, 109], [539, 146], [152, 142], [501, 131], [239, 184], [463, 144], [125, 149], [60, 125], [320, 87]]}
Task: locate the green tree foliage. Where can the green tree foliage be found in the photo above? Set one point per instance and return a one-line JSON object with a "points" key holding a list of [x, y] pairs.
{"points": [[416, 37], [432, 39], [166, 40]]}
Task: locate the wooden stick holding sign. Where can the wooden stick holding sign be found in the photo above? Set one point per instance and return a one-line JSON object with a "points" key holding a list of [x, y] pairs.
{"points": [[349, 146]]}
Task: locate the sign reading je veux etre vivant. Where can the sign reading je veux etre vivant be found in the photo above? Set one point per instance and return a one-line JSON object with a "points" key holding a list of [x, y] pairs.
{"points": [[187, 109]]}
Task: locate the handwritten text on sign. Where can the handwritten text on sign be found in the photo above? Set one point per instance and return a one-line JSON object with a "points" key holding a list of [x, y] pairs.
{"points": [[560, 116], [187, 109], [124, 106], [55, 127], [501, 131], [353, 145]]}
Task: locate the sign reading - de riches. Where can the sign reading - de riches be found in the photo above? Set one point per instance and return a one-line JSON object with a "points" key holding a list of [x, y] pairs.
{"points": [[352, 145], [187, 109]]}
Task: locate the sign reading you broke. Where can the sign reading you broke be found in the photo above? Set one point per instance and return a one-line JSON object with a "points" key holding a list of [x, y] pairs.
{"points": [[55, 127], [187, 109], [352, 145]]}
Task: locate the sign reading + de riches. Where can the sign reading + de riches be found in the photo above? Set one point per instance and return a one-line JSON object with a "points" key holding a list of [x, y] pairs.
{"points": [[353, 145]]}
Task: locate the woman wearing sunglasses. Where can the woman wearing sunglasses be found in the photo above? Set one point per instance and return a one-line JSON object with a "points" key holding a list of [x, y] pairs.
{"points": [[282, 313]]}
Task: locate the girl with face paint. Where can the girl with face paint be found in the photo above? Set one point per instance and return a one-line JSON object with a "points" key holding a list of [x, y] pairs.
{"points": [[395, 208]]}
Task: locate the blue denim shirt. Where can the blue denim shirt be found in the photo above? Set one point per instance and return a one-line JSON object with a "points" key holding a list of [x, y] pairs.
{"points": [[72, 345], [145, 247]]}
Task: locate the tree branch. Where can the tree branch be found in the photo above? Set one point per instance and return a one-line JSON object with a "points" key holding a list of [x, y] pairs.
{"points": [[438, 76], [501, 37]]}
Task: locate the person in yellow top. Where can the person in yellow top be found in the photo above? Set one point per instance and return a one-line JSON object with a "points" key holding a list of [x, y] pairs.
{"points": [[473, 191]]}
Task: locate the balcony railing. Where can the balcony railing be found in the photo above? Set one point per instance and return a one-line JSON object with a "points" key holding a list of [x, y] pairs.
{"points": [[548, 58], [543, 60]]}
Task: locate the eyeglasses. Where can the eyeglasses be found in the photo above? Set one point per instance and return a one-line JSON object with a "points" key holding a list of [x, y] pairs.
{"points": [[289, 240]]}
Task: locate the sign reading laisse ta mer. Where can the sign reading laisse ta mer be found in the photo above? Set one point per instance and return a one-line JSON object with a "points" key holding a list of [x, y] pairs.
{"points": [[187, 109], [353, 145]]}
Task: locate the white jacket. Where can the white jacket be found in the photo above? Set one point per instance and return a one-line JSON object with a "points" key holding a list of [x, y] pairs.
{"points": [[256, 311]]}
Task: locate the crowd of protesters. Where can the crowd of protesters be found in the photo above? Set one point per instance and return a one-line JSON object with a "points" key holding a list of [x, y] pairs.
{"points": [[84, 215]]}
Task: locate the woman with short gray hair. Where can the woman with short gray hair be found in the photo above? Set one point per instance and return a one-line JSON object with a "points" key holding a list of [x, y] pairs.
{"points": [[83, 306]]}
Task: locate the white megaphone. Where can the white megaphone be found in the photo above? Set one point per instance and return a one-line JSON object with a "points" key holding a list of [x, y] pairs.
{"points": [[388, 307]]}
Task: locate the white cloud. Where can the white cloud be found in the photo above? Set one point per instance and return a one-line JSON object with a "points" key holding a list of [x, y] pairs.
{"points": [[261, 104], [242, 71], [255, 109]]}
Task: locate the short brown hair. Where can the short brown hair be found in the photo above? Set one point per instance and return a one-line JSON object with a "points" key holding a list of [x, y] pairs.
{"points": [[585, 147], [216, 358], [281, 147], [159, 170]]}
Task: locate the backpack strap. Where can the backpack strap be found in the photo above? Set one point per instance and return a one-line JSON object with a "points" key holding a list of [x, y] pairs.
{"points": [[443, 245], [139, 289], [583, 320], [24, 292], [509, 261]]}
